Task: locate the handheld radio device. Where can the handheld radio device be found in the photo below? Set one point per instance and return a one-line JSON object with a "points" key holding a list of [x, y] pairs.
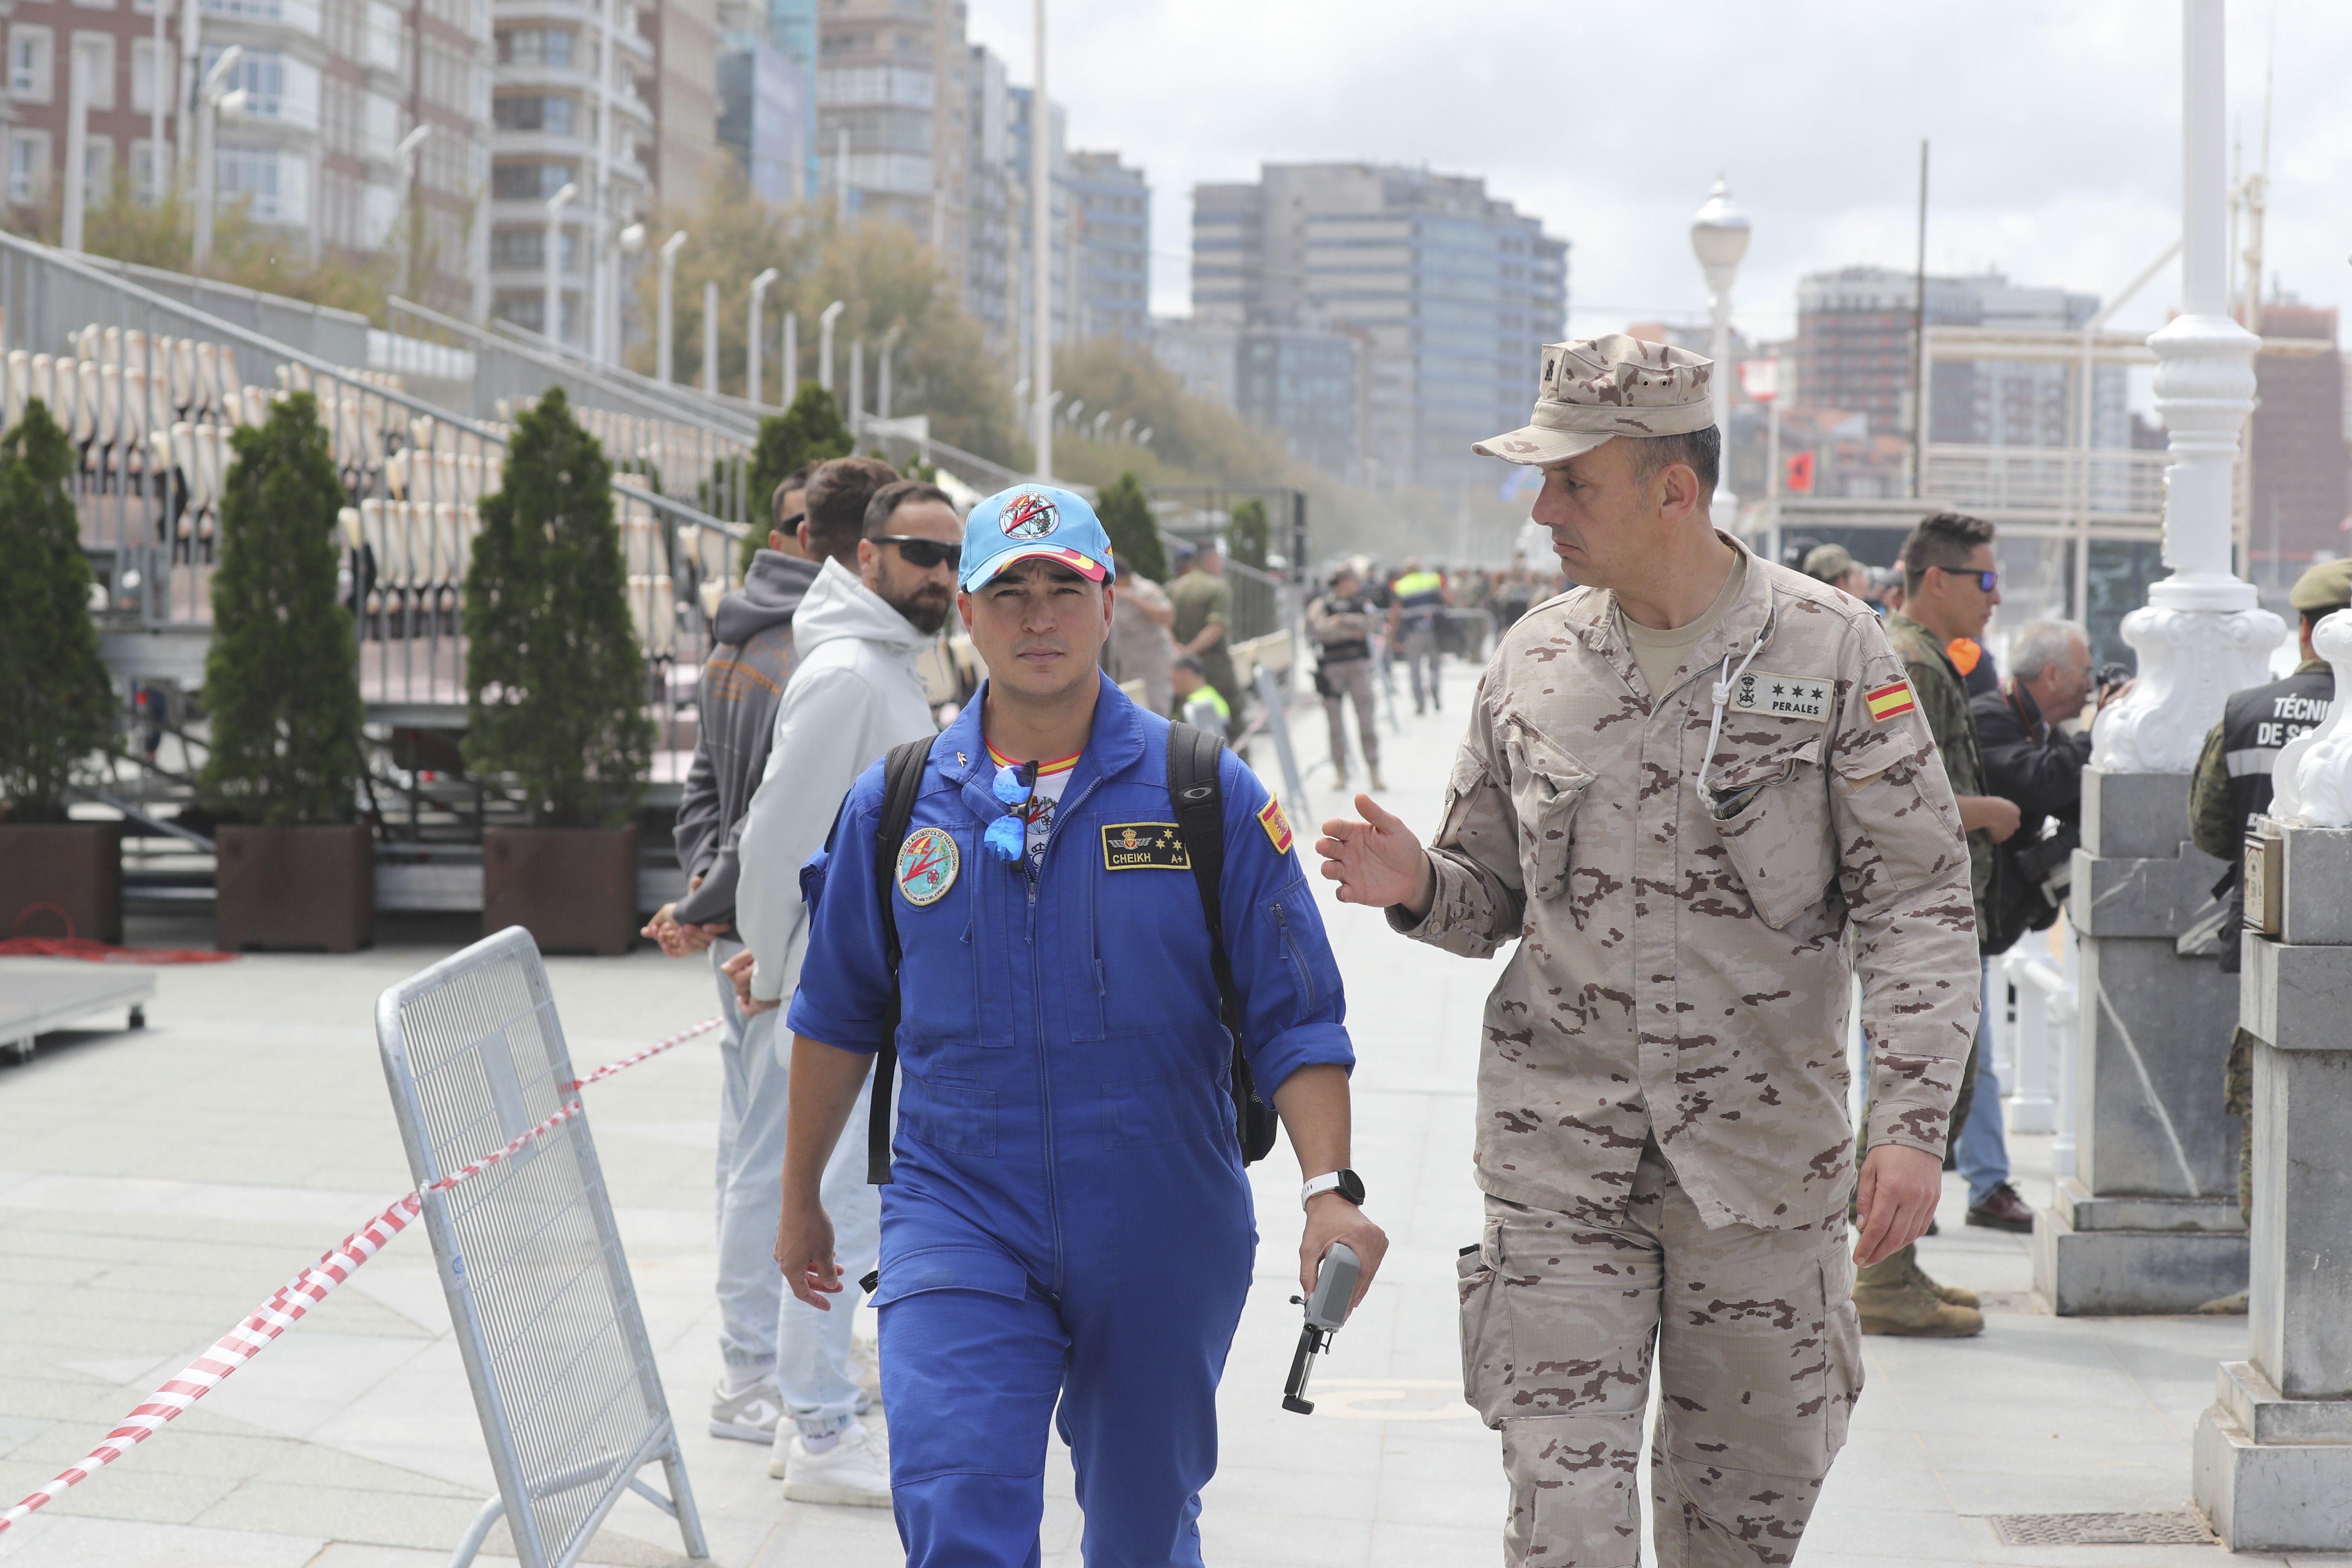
{"points": [[1327, 1309]]}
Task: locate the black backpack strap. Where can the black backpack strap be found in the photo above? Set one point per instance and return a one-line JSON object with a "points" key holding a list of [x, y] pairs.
{"points": [[902, 780], [1197, 794]]}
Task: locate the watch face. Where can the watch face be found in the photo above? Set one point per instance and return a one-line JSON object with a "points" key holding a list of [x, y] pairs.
{"points": [[1352, 1187]]}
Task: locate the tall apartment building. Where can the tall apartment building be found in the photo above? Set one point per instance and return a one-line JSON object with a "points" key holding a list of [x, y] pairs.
{"points": [[894, 82], [2297, 448], [551, 86], [1449, 290], [1109, 234], [1853, 352], [684, 96], [767, 94], [996, 204], [331, 87]]}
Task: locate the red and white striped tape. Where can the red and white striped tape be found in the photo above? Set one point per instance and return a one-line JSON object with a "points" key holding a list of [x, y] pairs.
{"points": [[298, 1295]]}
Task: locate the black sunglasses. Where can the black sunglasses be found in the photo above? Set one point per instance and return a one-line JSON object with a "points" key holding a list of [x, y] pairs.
{"points": [[788, 524], [1985, 580], [922, 554]]}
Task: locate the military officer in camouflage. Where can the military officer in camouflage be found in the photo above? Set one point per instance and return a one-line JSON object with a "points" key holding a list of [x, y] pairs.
{"points": [[1698, 793], [2232, 785]]}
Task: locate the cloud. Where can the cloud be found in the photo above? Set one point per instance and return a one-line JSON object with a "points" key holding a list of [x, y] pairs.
{"points": [[2056, 128]]}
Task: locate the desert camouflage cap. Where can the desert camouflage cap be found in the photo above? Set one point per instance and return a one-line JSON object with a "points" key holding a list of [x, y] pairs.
{"points": [[1594, 388], [2326, 587]]}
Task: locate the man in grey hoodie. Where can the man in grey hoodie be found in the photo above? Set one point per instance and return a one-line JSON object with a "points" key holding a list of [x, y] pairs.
{"points": [[855, 694], [743, 682]]}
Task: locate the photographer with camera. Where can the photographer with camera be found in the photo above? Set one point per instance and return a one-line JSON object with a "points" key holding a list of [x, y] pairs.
{"points": [[2036, 765]]}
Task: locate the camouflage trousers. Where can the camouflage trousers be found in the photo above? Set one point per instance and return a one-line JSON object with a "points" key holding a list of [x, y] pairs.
{"points": [[2238, 1100], [1758, 1355]]}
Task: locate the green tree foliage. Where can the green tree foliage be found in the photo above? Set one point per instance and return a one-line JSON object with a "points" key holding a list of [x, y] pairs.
{"points": [[809, 431], [1193, 440], [1245, 534], [56, 703], [1134, 532], [555, 682], [282, 679], [883, 277]]}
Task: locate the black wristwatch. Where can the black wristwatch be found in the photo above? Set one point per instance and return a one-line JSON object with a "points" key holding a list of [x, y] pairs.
{"points": [[1344, 1182]]}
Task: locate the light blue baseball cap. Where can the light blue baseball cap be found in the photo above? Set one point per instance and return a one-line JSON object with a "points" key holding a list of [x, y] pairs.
{"points": [[1034, 523]]}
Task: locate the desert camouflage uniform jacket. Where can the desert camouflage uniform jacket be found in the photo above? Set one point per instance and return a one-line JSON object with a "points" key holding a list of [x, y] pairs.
{"points": [[1683, 971]]}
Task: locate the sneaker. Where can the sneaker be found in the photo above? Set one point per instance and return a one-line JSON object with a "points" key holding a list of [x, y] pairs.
{"points": [[788, 1439], [855, 1472], [750, 1417], [2002, 1210]]}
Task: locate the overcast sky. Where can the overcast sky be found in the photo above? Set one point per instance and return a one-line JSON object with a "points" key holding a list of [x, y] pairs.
{"points": [[2055, 127]]}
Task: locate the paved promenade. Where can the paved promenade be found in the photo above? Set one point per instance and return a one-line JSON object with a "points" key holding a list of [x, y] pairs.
{"points": [[155, 1186]]}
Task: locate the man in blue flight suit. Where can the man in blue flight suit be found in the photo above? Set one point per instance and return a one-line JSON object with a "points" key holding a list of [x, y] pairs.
{"points": [[1067, 1218]]}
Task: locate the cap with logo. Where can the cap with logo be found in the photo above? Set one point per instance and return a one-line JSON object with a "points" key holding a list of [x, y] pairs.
{"points": [[1034, 523], [2326, 587], [1595, 388]]}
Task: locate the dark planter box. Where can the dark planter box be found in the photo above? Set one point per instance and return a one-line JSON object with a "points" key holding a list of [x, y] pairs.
{"points": [[309, 888], [573, 888], [75, 867]]}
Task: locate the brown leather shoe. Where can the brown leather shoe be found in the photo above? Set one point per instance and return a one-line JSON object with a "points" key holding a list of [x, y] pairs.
{"points": [[2002, 1210]]}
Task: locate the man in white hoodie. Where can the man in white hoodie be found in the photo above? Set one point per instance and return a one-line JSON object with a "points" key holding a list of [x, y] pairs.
{"points": [[855, 694]]}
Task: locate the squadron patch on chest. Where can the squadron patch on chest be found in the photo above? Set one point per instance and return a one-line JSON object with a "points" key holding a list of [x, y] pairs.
{"points": [[928, 862], [1787, 696], [1143, 846]]}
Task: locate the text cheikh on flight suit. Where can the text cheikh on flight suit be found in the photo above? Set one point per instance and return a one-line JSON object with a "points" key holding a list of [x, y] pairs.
{"points": [[1697, 792], [1067, 1219]]}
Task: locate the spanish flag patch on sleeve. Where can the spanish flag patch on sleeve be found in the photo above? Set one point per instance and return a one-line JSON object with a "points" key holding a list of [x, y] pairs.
{"points": [[1890, 701], [1276, 825]]}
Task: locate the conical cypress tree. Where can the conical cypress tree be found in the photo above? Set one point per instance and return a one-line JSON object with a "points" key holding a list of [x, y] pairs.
{"points": [[57, 702], [282, 679], [809, 431], [1134, 537], [555, 682], [1246, 534]]}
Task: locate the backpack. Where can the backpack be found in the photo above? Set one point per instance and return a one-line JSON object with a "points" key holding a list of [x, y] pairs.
{"points": [[1198, 797]]}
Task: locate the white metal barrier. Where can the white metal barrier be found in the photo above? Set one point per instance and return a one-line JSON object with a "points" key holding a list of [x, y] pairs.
{"points": [[2042, 1014]]}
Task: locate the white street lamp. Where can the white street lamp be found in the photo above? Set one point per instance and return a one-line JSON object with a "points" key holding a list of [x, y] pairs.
{"points": [[156, 97], [857, 385], [552, 311], [77, 197], [214, 99], [663, 355], [788, 378], [1041, 249], [404, 155], [710, 339], [889, 351], [1719, 237], [751, 338], [2202, 634], [824, 342]]}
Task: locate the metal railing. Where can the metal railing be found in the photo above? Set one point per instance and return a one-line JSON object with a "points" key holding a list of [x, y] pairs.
{"points": [[2113, 484], [152, 389], [2039, 1017]]}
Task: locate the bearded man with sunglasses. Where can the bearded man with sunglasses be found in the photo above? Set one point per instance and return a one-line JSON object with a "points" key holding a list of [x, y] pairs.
{"points": [[1067, 1230], [853, 694]]}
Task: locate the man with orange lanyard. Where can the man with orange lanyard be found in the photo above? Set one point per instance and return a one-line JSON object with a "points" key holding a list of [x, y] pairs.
{"points": [[1066, 1231]]}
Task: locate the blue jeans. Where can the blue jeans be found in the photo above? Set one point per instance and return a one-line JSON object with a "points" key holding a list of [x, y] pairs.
{"points": [[1983, 1153], [762, 1326]]}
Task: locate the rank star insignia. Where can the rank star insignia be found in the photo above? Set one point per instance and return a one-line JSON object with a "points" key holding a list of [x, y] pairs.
{"points": [[1143, 847], [1787, 696]]}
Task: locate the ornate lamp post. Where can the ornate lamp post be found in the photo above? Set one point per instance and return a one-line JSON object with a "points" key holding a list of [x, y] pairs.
{"points": [[552, 310], [1719, 237]]}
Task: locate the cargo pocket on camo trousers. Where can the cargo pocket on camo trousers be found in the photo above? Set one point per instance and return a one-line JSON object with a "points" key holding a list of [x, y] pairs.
{"points": [[1549, 1389]]}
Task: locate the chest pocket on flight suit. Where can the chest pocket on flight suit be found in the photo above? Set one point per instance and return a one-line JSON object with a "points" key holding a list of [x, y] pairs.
{"points": [[1771, 810], [1547, 784]]}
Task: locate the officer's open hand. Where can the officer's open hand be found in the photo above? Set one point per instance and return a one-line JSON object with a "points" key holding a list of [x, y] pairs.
{"points": [[804, 1252], [1329, 1218], [1900, 1185], [1378, 860]]}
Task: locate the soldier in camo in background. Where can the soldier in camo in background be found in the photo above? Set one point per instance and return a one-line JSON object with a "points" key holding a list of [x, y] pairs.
{"points": [[1698, 793], [2232, 785]]}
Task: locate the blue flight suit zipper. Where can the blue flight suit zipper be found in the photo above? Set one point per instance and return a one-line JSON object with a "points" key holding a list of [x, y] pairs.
{"points": [[1037, 987]]}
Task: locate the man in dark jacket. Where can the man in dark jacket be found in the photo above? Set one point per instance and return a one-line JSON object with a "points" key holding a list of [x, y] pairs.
{"points": [[2036, 766], [2232, 787], [742, 682]]}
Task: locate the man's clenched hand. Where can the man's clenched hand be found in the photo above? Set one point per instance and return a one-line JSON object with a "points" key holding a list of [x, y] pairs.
{"points": [[1900, 1185], [1377, 861], [738, 970]]}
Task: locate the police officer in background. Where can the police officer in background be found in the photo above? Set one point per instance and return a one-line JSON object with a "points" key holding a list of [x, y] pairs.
{"points": [[1698, 794], [2232, 785], [1416, 599], [1067, 1223], [1341, 623]]}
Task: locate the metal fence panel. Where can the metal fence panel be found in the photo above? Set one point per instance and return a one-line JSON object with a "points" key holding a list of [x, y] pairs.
{"points": [[546, 1315]]}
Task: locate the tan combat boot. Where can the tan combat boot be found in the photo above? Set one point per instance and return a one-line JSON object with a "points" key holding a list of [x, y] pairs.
{"points": [[1374, 770], [1912, 1308], [1950, 1295]]}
